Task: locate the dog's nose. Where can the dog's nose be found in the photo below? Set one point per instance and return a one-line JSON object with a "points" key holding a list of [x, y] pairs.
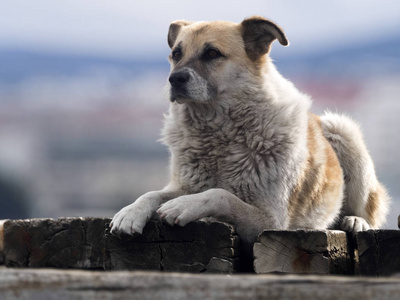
{"points": [[179, 79]]}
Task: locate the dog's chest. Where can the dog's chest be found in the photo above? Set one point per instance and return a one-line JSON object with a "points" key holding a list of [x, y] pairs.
{"points": [[226, 157], [241, 149], [201, 159]]}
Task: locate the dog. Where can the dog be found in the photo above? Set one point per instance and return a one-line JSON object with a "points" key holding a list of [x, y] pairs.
{"points": [[246, 150]]}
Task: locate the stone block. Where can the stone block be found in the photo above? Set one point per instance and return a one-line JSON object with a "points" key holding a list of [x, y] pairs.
{"points": [[303, 251], [85, 243], [197, 247], [378, 252], [61, 243]]}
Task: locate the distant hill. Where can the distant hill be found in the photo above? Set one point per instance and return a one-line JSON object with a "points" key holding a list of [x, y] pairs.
{"points": [[359, 60], [376, 58], [18, 65]]}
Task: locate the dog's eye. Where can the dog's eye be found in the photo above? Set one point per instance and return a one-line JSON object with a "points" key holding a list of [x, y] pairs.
{"points": [[211, 54], [177, 55]]}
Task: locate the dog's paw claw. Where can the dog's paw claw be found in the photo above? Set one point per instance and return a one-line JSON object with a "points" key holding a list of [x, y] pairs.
{"points": [[128, 222], [354, 224]]}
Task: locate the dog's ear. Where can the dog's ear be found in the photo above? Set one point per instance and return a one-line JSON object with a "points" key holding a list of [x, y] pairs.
{"points": [[258, 34], [174, 30]]}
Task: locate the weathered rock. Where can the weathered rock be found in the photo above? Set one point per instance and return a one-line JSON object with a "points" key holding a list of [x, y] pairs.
{"points": [[85, 243], [61, 243], [303, 251], [35, 284], [220, 265], [162, 247], [378, 252]]}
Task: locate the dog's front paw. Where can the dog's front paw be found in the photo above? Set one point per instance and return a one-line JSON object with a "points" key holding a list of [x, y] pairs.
{"points": [[129, 221], [174, 212], [354, 224], [181, 211]]}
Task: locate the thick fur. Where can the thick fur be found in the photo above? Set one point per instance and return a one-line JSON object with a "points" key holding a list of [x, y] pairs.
{"points": [[244, 147], [365, 197]]}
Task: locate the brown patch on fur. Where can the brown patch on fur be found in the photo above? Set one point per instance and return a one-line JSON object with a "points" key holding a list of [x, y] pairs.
{"points": [[373, 206], [299, 201], [334, 177], [200, 29], [227, 37], [321, 181]]}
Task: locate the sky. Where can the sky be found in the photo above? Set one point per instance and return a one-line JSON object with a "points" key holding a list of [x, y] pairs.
{"points": [[132, 28]]}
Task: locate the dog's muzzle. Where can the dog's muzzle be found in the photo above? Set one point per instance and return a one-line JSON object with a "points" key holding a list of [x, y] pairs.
{"points": [[188, 85], [179, 81]]}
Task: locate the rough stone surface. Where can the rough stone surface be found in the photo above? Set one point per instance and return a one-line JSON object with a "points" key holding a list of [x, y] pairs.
{"points": [[39, 284], [188, 249], [85, 243], [378, 252], [61, 243], [303, 251]]}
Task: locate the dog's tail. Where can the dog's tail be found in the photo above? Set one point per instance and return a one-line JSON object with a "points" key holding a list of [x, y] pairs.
{"points": [[364, 196]]}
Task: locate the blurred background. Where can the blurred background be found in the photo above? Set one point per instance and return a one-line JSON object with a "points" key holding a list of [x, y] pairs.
{"points": [[82, 103]]}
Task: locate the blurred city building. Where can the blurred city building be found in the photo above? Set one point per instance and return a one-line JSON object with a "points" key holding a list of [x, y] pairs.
{"points": [[78, 132]]}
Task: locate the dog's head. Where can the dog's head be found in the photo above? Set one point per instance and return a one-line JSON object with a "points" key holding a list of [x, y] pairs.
{"points": [[210, 58]]}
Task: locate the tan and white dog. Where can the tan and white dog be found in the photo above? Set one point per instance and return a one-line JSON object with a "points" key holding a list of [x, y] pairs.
{"points": [[244, 147]]}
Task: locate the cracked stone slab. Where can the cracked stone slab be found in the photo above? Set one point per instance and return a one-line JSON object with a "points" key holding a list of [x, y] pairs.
{"points": [[85, 243], [46, 284], [378, 252], [197, 247], [303, 251], [60, 243]]}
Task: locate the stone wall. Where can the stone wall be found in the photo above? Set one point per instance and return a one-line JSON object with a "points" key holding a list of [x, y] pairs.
{"points": [[85, 243], [199, 247]]}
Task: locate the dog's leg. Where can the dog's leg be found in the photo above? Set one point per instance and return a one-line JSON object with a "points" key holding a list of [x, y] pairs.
{"points": [[131, 219], [366, 201], [223, 206]]}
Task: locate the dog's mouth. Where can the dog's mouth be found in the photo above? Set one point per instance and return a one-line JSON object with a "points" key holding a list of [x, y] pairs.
{"points": [[182, 95], [180, 100], [179, 96]]}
